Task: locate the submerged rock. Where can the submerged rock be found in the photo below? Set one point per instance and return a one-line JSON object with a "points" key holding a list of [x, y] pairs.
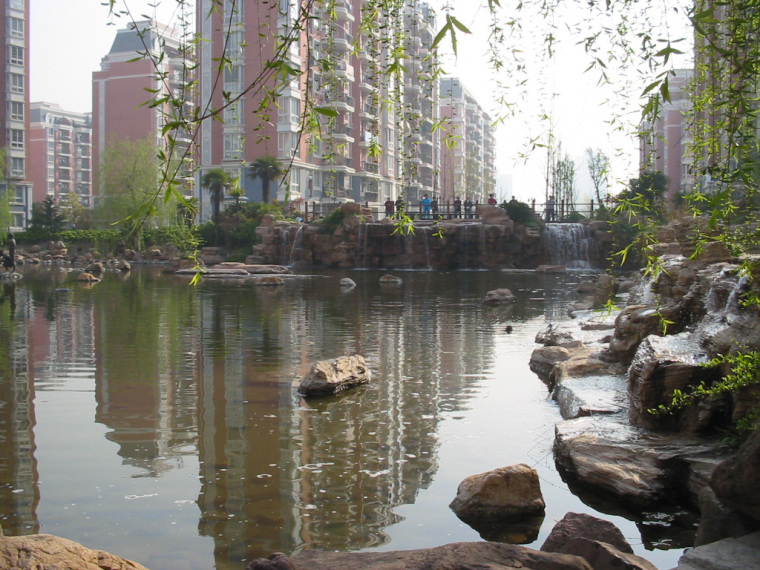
{"points": [[582, 525], [498, 296]]}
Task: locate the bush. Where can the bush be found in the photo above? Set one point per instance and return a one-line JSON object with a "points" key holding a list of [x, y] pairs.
{"points": [[521, 213], [331, 221]]}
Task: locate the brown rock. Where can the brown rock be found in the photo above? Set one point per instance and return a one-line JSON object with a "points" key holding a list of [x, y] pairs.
{"points": [[332, 376], [602, 555], [46, 552], [498, 296], [581, 525], [456, 556], [269, 281], [735, 480], [506, 493]]}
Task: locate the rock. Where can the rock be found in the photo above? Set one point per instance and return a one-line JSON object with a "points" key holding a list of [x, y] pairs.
{"points": [[590, 396], [581, 525], [506, 493], [554, 335], [351, 208], [633, 324], [663, 365], [735, 481], [43, 551], [455, 556], [88, 278], [545, 358], [552, 269], [347, 283], [726, 554], [276, 561], [498, 296], [717, 522], [123, 265], [269, 281], [328, 377], [390, 280], [602, 555], [96, 267]]}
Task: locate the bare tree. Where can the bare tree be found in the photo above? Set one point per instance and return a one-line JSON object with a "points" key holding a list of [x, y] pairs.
{"points": [[599, 170]]}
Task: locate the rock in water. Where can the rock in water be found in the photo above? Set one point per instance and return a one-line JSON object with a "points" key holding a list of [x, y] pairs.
{"points": [[328, 377]]}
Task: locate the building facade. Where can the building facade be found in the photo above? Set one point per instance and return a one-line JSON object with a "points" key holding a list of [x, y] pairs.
{"points": [[468, 152], [665, 142], [146, 62], [60, 153], [14, 112], [343, 130]]}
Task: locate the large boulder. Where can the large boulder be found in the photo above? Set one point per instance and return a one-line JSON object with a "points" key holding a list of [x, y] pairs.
{"points": [[455, 556], [602, 555], [716, 521], [499, 296], [328, 377], [735, 481], [633, 324], [43, 551], [582, 525], [506, 493]]}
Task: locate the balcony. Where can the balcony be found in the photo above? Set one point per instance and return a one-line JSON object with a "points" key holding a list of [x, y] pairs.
{"points": [[369, 111], [339, 100], [342, 133], [342, 40], [345, 71], [343, 10], [339, 163]]}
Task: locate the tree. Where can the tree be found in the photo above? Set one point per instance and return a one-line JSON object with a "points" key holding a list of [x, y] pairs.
{"points": [[73, 210], [563, 180], [267, 168], [129, 176], [47, 216], [216, 180], [599, 170]]}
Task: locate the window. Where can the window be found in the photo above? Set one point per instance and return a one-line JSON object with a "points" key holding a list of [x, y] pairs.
{"points": [[232, 146], [16, 27], [16, 138], [15, 55], [16, 5], [16, 110], [17, 166], [16, 82]]}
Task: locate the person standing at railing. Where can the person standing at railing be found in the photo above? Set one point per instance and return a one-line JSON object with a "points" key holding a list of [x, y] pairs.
{"points": [[425, 207], [468, 208], [491, 200], [434, 208], [389, 204], [457, 207], [550, 209]]}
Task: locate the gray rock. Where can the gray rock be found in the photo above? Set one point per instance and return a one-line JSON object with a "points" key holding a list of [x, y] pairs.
{"points": [[735, 481], [499, 296], [390, 280], [328, 377], [582, 525], [590, 395], [718, 522], [269, 280], [726, 554], [347, 283]]}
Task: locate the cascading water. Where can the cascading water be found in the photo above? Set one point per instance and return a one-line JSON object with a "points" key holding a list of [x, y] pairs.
{"points": [[297, 246], [568, 245]]}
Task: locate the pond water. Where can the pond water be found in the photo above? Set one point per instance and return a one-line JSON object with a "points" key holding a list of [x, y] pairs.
{"points": [[161, 422]]}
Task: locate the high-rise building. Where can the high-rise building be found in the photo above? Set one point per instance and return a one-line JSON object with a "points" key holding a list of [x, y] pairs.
{"points": [[146, 62], [664, 144], [467, 163], [14, 111], [371, 136], [60, 153]]}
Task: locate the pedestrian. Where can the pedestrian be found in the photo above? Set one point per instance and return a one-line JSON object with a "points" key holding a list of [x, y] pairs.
{"points": [[550, 208], [400, 206], [425, 207], [491, 200], [468, 208], [12, 251], [434, 208], [457, 207], [389, 205]]}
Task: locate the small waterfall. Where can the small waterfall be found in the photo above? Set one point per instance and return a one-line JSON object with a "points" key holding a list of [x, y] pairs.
{"points": [[568, 245], [466, 245], [427, 247], [297, 246], [285, 251]]}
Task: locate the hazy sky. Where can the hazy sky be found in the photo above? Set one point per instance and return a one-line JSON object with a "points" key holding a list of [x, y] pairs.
{"points": [[68, 40]]}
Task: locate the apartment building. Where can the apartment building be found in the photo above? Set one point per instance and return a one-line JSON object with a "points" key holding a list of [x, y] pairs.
{"points": [[146, 61], [468, 149], [60, 153], [14, 111], [345, 130], [664, 143]]}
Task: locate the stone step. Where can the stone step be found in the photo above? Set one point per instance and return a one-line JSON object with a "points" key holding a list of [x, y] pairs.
{"points": [[726, 554]]}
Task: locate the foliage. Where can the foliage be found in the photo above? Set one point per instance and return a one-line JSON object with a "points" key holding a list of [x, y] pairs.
{"points": [[563, 178], [599, 171], [47, 217], [521, 213], [74, 212], [216, 181], [331, 221]]}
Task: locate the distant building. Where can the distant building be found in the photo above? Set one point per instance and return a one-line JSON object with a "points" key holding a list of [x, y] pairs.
{"points": [[128, 79], [14, 110], [664, 144], [60, 153], [380, 142], [467, 161]]}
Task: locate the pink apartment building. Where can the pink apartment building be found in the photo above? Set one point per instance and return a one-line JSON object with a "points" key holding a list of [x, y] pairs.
{"points": [[380, 142]]}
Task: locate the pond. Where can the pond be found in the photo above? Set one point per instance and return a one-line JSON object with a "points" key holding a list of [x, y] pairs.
{"points": [[161, 422]]}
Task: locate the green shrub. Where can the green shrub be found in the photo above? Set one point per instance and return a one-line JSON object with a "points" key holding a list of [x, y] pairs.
{"points": [[331, 221], [521, 213]]}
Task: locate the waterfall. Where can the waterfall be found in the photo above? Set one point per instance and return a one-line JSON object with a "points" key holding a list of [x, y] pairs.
{"points": [[568, 245], [297, 245], [427, 247], [466, 244]]}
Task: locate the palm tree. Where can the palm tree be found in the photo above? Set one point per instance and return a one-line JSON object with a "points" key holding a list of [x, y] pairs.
{"points": [[216, 180], [267, 168]]}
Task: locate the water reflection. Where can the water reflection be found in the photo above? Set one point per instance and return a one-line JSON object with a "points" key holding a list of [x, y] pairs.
{"points": [[207, 374]]}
